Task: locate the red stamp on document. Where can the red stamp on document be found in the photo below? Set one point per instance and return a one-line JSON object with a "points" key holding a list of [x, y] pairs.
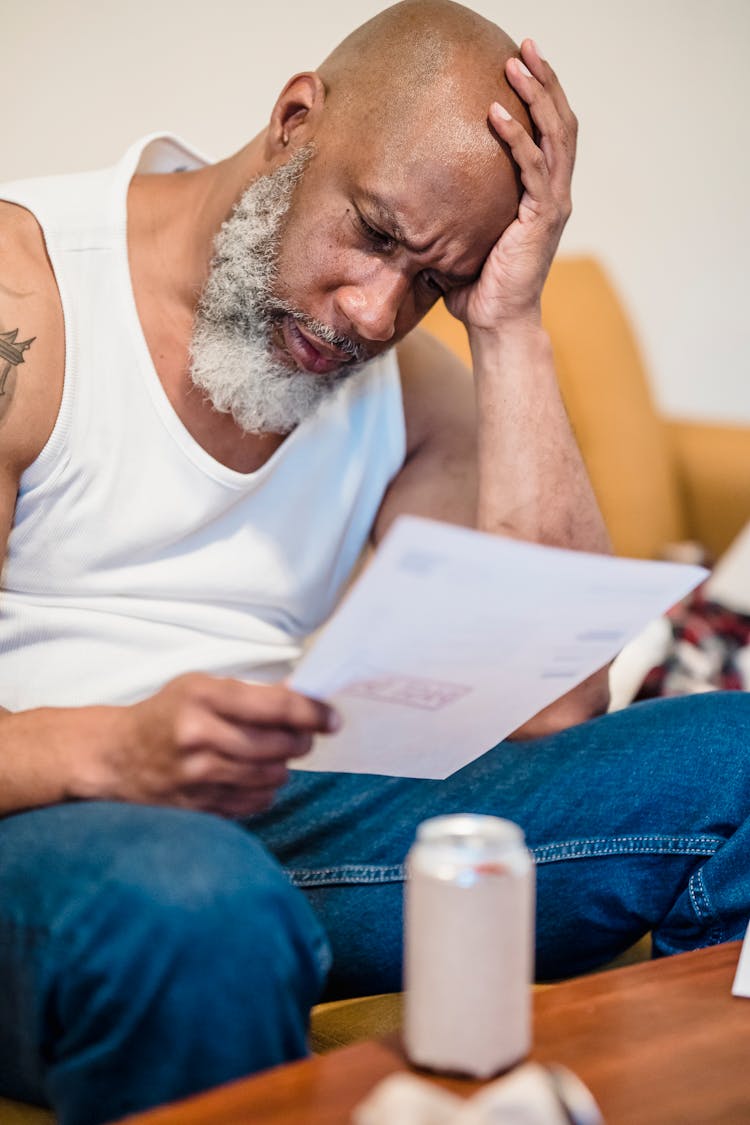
{"points": [[409, 691]]}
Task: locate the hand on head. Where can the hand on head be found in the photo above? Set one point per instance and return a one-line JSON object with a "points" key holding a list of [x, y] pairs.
{"points": [[511, 283]]}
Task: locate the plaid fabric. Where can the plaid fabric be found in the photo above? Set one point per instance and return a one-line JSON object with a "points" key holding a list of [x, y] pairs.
{"points": [[710, 650]]}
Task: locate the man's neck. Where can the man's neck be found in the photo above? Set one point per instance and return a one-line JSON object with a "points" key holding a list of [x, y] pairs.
{"points": [[174, 218], [172, 222]]}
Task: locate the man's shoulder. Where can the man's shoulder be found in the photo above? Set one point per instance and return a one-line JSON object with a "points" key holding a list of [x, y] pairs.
{"points": [[23, 258], [32, 345], [27, 279]]}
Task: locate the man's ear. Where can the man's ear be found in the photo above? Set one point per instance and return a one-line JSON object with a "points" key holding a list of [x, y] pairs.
{"points": [[295, 117]]}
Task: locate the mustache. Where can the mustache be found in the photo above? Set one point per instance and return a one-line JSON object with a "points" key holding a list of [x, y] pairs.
{"points": [[355, 352]]}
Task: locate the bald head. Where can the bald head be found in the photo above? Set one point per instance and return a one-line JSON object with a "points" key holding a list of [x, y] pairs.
{"points": [[422, 74]]}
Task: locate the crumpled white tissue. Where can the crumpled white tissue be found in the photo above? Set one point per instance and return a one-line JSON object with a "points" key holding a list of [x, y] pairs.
{"points": [[529, 1095]]}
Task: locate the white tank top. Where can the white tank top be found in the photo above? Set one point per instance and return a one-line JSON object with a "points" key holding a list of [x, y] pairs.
{"points": [[135, 555]]}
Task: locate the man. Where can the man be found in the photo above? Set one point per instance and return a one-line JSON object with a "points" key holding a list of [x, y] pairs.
{"points": [[203, 421]]}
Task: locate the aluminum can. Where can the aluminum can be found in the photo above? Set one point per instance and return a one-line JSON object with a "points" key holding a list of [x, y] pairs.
{"points": [[469, 945]]}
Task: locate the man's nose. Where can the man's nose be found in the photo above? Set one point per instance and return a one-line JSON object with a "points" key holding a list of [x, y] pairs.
{"points": [[372, 306]]}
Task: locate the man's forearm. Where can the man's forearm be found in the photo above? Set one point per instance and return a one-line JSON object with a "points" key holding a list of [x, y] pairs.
{"points": [[527, 452], [200, 742], [533, 483], [47, 754]]}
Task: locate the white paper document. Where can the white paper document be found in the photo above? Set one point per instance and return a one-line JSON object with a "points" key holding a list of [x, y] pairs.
{"points": [[741, 986], [453, 638]]}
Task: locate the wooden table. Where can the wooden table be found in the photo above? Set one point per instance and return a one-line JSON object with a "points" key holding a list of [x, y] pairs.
{"points": [[661, 1042]]}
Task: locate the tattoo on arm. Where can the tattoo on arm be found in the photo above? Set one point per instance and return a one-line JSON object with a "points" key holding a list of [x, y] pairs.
{"points": [[11, 354]]}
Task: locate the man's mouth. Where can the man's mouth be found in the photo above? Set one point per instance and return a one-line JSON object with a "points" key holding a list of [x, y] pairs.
{"points": [[308, 351]]}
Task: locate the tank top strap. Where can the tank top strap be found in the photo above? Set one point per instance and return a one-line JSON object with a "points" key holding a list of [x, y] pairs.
{"points": [[88, 210]]}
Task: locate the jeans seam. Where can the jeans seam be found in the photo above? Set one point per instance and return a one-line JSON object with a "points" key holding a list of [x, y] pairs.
{"points": [[704, 909], [353, 874], [347, 874], [593, 847]]}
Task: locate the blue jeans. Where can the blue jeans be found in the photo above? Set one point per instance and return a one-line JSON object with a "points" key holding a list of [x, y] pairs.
{"points": [[146, 953]]}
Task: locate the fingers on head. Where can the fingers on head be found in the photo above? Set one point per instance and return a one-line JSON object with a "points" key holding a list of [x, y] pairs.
{"points": [[549, 110], [545, 74], [527, 155]]}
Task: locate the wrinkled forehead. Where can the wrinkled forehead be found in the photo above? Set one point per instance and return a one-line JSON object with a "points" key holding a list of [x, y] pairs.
{"points": [[441, 172]]}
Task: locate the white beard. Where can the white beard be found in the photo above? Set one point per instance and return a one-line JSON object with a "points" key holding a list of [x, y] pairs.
{"points": [[231, 352]]}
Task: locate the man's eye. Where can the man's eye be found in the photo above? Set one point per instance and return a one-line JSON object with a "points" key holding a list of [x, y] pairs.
{"points": [[376, 238], [433, 284]]}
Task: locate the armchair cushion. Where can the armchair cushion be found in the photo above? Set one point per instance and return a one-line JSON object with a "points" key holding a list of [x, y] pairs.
{"points": [[712, 463]]}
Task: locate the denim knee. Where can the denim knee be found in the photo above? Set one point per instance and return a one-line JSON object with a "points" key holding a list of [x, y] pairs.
{"points": [[177, 956], [198, 890]]}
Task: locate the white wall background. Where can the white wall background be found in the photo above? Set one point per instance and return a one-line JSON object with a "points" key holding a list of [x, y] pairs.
{"points": [[661, 87]]}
